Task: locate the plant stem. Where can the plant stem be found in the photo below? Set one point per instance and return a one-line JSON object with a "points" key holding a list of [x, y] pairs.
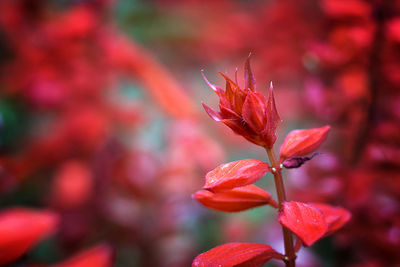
{"points": [[280, 190]]}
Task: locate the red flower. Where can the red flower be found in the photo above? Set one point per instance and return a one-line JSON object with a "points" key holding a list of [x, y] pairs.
{"points": [[246, 111], [237, 199], [20, 228]]}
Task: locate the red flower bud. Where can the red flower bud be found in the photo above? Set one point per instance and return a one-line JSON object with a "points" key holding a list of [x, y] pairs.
{"points": [[304, 220], [235, 174], [301, 142], [246, 112], [237, 254], [237, 199]]}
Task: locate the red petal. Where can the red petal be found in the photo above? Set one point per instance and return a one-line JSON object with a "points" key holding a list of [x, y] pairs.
{"points": [[269, 134], [253, 111], [20, 228], [99, 256], [215, 115], [233, 121], [215, 88], [234, 95], [228, 113], [249, 80], [238, 128], [301, 142], [236, 254], [335, 217], [304, 220], [237, 199], [235, 174]]}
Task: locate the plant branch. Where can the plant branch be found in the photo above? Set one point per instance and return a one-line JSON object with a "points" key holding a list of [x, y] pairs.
{"points": [[290, 255]]}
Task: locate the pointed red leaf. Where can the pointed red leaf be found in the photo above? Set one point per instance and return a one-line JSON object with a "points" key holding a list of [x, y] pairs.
{"points": [[237, 199], [335, 217], [249, 80], [21, 228], [234, 95], [307, 222], [215, 115], [269, 134], [253, 111], [301, 142], [229, 90], [99, 256], [236, 254], [218, 90], [235, 174]]}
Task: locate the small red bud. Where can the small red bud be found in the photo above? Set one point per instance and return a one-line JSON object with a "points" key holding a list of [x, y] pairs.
{"points": [[302, 142]]}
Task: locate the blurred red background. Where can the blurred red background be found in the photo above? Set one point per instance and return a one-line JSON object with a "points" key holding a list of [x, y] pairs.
{"points": [[103, 138]]}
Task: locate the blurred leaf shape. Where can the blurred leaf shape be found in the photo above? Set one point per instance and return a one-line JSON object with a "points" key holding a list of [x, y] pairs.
{"points": [[73, 185], [21, 228], [99, 256]]}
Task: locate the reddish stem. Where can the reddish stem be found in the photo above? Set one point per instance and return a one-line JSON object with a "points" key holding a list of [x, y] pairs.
{"points": [[290, 255]]}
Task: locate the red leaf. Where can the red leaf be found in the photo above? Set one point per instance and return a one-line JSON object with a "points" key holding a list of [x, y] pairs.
{"points": [[304, 220], [301, 142], [335, 217], [20, 228], [236, 254], [237, 199], [249, 80], [99, 256], [235, 174]]}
